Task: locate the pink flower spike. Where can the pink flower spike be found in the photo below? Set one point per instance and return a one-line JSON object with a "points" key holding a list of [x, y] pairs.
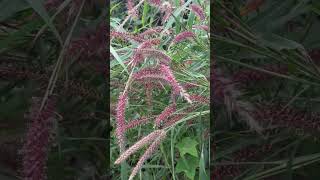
{"points": [[198, 11], [167, 8], [138, 145], [154, 53], [165, 114], [120, 120], [156, 3], [175, 85], [183, 36], [137, 122], [137, 58], [126, 36], [152, 148], [131, 11], [200, 99]]}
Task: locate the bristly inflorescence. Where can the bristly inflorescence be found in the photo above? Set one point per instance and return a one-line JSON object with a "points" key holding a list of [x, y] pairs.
{"points": [[198, 11], [37, 142], [151, 70], [183, 36], [120, 117]]}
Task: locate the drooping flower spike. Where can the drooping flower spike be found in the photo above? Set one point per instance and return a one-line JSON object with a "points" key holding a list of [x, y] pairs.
{"points": [[198, 11], [183, 36], [138, 145], [120, 120], [147, 154]]}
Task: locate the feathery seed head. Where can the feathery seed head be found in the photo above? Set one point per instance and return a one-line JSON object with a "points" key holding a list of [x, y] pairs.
{"points": [[198, 11], [183, 36], [138, 145], [165, 114], [120, 120], [152, 148]]}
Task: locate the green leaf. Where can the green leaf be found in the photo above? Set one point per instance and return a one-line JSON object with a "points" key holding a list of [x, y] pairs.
{"points": [[39, 8], [188, 146], [187, 165], [202, 167], [115, 54]]}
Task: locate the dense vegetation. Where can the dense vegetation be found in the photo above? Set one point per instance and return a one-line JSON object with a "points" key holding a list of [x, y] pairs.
{"points": [[266, 89], [52, 87], [160, 89]]}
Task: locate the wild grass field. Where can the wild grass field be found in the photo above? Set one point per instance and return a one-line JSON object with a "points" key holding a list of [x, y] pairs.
{"points": [[266, 90], [160, 89], [53, 57]]}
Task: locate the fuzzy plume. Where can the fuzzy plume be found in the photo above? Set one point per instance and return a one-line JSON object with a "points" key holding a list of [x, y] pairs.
{"points": [[36, 146], [138, 145], [251, 153], [177, 117], [294, 119], [165, 114], [151, 31], [167, 9], [137, 122], [152, 148], [131, 10], [137, 58], [148, 52], [126, 36], [199, 98], [198, 11], [174, 83], [120, 118], [183, 36], [156, 3], [246, 76], [226, 93]]}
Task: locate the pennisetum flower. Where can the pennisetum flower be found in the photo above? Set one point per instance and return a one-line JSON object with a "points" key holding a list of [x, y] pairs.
{"points": [[199, 98], [137, 122], [183, 36], [138, 145], [165, 114], [156, 3], [177, 117], [167, 8], [292, 118], [246, 76], [138, 57], [251, 153], [151, 31], [131, 10], [151, 149], [198, 11], [174, 83], [120, 120], [149, 52], [36, 146], [126, 36]]}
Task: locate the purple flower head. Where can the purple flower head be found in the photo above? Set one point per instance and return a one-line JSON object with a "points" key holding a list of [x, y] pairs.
{"points": [[198, 11], [120, 120], [156, 3], [183, 36], [165, 114], [36, 146]]}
